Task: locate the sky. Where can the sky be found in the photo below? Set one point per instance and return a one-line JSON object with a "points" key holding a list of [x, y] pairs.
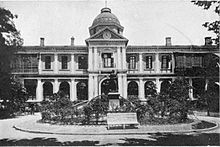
{"points": [[145, 22]]}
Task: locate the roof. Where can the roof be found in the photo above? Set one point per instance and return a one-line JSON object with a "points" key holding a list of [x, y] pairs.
{"points": [[105, 17]]}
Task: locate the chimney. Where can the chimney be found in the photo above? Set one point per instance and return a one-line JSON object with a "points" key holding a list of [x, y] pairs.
{"points": [[41, 41], [168, 41], [72, 41], [208, 40]]}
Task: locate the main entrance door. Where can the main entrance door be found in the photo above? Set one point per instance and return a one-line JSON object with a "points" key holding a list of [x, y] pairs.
{"points": [[108, 86]]}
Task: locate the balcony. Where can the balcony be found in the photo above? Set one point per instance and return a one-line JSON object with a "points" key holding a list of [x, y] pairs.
{"points": [[32, 70]]}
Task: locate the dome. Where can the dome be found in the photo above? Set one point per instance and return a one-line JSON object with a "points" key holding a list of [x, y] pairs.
{"points": [[105, 17]]}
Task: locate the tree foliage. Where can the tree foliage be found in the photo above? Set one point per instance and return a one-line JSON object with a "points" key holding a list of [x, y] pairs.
{"points": [[10, 40], [211, 26]]}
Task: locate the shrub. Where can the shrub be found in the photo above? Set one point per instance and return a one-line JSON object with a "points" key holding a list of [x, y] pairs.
{"points": [[59, 109]]}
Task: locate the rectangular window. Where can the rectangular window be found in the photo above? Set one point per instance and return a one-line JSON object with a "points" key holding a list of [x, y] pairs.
{"points": [[197, 61], [132, 62], [64, 61], [165, 62], [47, 62], [82, 62], [180, 62], [108, 61], [149, 62]]}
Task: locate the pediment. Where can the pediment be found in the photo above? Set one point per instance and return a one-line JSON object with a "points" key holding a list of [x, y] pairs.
{"points": [[106, 34]]}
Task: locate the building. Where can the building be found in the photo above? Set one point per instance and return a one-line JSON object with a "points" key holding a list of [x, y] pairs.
{"points": [[82, 72]]}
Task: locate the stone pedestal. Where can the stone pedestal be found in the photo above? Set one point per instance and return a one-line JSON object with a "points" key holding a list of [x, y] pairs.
{"points": [[114, 102]]}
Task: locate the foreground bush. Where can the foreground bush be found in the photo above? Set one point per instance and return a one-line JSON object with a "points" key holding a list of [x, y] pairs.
{"points": [[59, 109]]}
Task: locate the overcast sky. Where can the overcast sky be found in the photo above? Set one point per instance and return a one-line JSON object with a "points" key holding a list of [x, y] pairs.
{"points": [[145, 22]]}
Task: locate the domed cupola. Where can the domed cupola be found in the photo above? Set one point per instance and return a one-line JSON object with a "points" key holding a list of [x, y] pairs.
{"points": [[106, 18]]}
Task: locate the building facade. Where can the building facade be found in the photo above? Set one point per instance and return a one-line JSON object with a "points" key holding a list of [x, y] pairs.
{"points": [[82, 72]]}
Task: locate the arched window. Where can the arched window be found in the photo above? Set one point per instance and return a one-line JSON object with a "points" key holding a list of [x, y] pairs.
{"points": [[133, 88], [149, 88], [165, 86], [65, 87], [47, 90], [82, 90], [31, 85]]}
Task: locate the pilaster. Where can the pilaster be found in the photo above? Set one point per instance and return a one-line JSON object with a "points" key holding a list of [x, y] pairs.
{"points": [[56, 86], [125, 85], [157, 63], [72, 65], [158, 85], [39, 90], [91, 87], [141, 89], [191, 89], [39, 64], [141, 62], [90, 64], [120, 90], [119, 58], [124, 58], [56, 65], [95, 58], [73, 96]]}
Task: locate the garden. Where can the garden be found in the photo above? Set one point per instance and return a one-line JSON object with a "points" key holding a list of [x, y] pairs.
{"points": [[169, 107]]}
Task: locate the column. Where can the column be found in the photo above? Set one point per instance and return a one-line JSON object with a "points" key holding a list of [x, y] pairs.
{"points": [[125, 85], [191, 89], [158, 84], [91, 87], [141, 89], [72, 65], [73, 96], [124, 66], [56, 86], [95, 58], [119, 57], [120, 84], [96, 85], [206, 84], [90, 68], [56, 65], [173, 63], [39, 64], [157, 63], [39, 91], [140, 62]]}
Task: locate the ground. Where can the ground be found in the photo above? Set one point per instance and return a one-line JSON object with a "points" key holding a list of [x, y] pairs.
{"points": [[11, 136]]}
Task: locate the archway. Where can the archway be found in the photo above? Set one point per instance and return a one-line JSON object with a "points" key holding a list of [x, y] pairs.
{"points": [[149, 88], [165, 86], [31, 85], [65, 87], [82, 90], [198, 87], [132, 88], [108, 86], [47, 90]]}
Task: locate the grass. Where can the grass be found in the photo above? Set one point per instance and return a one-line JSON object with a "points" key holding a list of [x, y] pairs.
{"points": [[203, 125]]}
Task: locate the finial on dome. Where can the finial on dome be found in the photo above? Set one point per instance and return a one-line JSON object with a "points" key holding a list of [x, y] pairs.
{"points": [[106, 3]]}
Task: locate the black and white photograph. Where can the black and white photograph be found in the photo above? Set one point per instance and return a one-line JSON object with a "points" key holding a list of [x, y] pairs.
{"points": [[109, 73]]}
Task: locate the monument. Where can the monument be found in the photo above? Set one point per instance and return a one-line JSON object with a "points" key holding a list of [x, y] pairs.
{"points": [[113, 95]]}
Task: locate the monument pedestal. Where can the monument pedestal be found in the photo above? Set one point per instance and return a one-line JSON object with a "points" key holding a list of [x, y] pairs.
{"points": [[114, 102]]}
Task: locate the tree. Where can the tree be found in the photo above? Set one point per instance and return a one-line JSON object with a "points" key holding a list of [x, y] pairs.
{"points": [[9, 41], [211, 26]]}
